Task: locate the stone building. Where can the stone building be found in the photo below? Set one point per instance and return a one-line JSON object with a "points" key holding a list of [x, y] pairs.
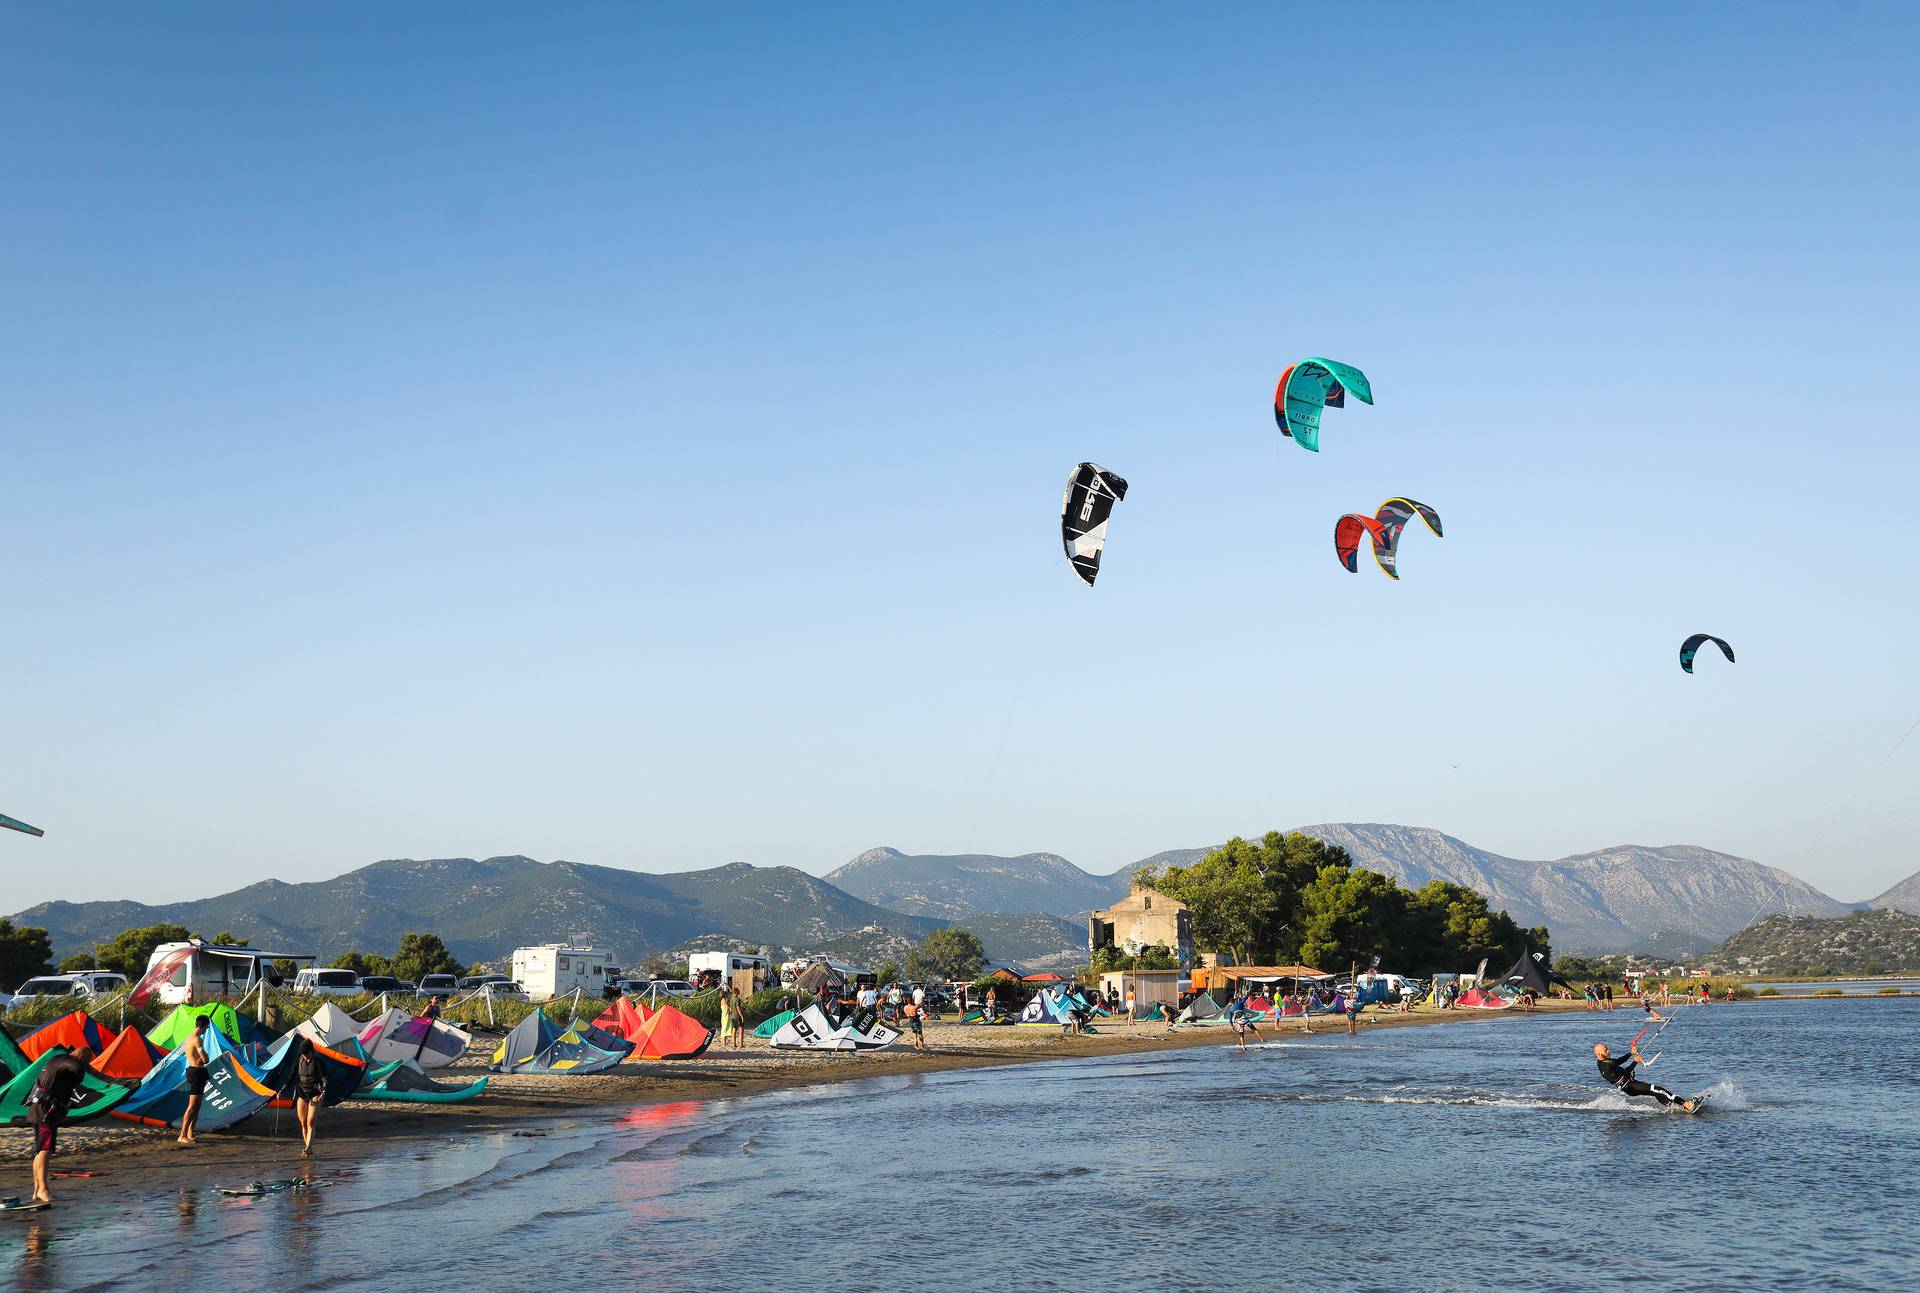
{"points": [[1140, 920]]}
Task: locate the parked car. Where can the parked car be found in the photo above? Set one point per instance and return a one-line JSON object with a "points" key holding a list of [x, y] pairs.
{"points": [[46, 985], [328, 982], [669, 987], [501, 985], [385, 983], [99, 983], [431, 984]]}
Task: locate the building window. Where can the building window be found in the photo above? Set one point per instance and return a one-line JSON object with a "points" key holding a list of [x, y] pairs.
{"points": [[1147, 903], [563, 965]]}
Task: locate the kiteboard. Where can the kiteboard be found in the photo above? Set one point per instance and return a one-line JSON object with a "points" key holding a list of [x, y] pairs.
{"points": [[16, 1204], [255, 1189], [1694, 1105]]}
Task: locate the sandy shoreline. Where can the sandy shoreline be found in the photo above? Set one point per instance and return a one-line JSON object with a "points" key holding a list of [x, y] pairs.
{"points": [[267, 1146]]}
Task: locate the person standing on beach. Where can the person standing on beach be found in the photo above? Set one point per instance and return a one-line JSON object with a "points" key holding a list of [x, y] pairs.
{"points": [[196, 1051], [739, 1022], [309, 1086], [993, 1003], [47, 1106], [1351, 1008], [911, 1014], [725, 1032]]}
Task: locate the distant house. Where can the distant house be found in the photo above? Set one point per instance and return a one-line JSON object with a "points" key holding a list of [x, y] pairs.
{"points": [[1140, 920]]}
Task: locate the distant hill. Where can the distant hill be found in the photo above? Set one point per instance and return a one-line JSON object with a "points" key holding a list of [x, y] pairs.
{"points": [[1879, 941], [955, 887], [1606, 901], [484, 909], [1904, 896], [1676, 897]]}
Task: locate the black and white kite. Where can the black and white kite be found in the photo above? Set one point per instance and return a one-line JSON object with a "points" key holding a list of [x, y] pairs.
{"points": [[1091, 494]]}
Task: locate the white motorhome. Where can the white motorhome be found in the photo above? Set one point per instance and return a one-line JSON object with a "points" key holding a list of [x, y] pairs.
{"points": [[722, 965], [196, 971], [555, 969]]}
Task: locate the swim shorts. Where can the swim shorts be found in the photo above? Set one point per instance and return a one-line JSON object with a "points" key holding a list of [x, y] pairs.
{"points": [[196, 1081]]}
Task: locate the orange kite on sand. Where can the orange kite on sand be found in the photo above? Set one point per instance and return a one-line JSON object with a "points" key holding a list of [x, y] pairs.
{"points": [[662, 1034]]}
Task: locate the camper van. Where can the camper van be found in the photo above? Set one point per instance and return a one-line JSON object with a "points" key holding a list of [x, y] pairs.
{"points": [[711, 969], [554, 970], [194, 971]]}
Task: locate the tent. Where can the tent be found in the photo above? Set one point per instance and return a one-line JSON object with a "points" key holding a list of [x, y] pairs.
{"points": [[1532, 971], [768, 1027], [811, 1030], [1203, 1009], [128, 1057], [330, 1026], [223, 1018], [400, 1035], [537, 1045], [97, 1095], [405, 1080], [239, 1084], [669, 1034], [817, 976], [72, 1031]]}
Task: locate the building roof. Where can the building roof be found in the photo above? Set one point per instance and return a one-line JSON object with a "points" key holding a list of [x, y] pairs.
{"points": [[1267, 972]]}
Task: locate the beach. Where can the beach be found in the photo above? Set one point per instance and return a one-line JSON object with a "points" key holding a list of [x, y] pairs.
{"points": [[267, 1145]]}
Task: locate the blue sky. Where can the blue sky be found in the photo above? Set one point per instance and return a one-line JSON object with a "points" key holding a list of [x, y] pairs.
{"points": [[635, 435]]}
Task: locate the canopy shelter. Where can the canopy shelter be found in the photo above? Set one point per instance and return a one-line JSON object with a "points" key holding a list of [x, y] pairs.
{"points": [[72, 1030], [1532, 971], [95, 1097], [402, 1035], [817, 976], [221, 1018], [128, 1058], [1045, 976]]}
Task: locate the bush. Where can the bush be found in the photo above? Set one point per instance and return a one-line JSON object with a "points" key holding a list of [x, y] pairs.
{"points": [[1829, 992], [1889, 992], [1768, 992]]}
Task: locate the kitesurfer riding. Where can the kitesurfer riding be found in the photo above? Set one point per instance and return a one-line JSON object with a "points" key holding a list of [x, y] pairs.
{"points": [[1619, 1072]]}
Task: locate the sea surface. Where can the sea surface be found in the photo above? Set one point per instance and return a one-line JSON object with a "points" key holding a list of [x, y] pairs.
{"points": [[1481, 1156], [1848, 987]]}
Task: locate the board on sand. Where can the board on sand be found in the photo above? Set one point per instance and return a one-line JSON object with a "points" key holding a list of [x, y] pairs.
{"points": [[254, 1189], [22, 1205]]}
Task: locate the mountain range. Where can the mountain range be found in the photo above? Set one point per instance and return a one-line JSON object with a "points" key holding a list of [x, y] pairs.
{"points": [[1883, 940], [1904, 896], [1029, 909], [1678, 896]]}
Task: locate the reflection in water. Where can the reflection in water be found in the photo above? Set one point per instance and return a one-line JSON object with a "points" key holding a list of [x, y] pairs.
{"points": [[1351, 1148]]}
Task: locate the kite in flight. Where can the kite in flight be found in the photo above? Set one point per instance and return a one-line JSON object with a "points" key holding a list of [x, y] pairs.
{"points": [[1091, 493], [1385, 526], [1692, 645], [22, 827], [1306, 388]]}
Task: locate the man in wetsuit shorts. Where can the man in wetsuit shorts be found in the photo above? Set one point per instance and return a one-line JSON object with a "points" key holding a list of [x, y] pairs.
{"points": [[1619, 1072]]}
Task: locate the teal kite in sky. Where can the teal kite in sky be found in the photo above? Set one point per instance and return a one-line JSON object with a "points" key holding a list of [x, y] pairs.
{"points": [[1306, 388], [22, 827]]}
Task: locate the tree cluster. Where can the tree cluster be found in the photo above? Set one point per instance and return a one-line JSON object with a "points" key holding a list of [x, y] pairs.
{"points": [[1295, 899], [419, 955], [945, 955]]}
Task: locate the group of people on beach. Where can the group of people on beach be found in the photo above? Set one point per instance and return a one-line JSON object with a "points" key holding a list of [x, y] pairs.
{"points": [[62, 1077]]}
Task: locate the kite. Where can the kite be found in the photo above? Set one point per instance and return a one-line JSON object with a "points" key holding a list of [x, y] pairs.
{"points": [[1091, 493], [1307, 387], [22, 827], [1693, 645], [1385, 526]]}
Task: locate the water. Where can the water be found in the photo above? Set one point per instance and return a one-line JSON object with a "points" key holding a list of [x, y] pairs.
{"points": [[1849, 987], [1470, 1157]]}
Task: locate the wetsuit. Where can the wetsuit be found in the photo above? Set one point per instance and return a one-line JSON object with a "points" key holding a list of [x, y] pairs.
{"points": [[1619, 1071], [52, 1094]]}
